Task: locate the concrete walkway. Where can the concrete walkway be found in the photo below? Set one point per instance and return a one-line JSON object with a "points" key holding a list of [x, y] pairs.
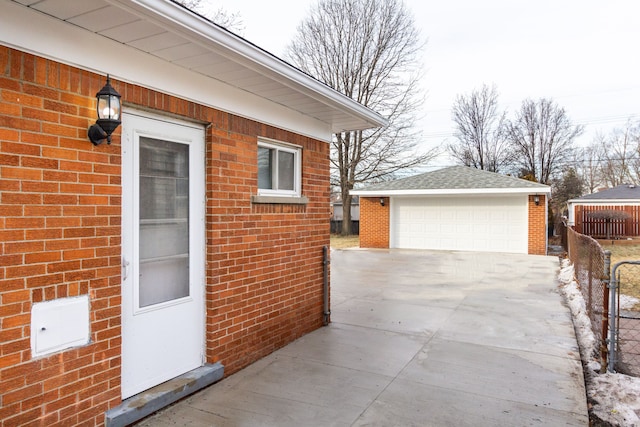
{"points": [[417, 339]]}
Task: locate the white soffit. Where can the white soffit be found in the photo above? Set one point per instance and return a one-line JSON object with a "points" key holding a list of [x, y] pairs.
{"points": [[170, 32]]}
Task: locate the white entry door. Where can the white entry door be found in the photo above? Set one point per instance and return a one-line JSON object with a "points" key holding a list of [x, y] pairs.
{"points": [[162, 250]]}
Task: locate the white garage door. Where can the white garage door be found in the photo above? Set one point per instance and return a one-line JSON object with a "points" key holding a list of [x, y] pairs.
{"points": [[463, 223]]}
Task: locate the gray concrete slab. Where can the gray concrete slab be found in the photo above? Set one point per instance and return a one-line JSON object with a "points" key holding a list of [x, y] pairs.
{"points": [[418, 338]]}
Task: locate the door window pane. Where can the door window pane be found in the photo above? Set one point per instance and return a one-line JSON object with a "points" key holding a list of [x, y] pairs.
{"points": [[164, 221]]}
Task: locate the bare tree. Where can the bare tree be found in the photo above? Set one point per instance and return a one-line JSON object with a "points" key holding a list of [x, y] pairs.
{"points": [[568, 187], [635, 161], [587, 165], [232, 21], [368, 50], [481, 140], [542, 135], [620, 155]]}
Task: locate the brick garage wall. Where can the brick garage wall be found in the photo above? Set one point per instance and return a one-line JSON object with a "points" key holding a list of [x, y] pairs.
{"points": [[537, 226], [60, 216], [374, 222]]}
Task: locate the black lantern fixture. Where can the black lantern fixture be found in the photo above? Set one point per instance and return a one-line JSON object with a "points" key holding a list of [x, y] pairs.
{"points": [[536, 200], [108, 106]]}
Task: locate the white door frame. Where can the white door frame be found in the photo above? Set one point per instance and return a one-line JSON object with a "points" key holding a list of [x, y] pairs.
{"points": [[164, 340]]}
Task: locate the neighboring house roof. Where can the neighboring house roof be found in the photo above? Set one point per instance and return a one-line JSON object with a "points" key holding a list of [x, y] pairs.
{"points": [[176, 39], [628, 192], [454, 180]]}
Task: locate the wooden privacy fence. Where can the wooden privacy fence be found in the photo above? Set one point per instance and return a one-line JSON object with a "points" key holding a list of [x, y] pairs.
{"points": [[336, 227], [588, 224]]}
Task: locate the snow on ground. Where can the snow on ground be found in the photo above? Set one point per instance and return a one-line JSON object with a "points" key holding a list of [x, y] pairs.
{"points": [[615, 397], [627, 302]]}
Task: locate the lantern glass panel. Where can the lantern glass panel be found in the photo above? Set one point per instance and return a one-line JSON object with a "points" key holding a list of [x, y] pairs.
{"points": [[108, 107]]}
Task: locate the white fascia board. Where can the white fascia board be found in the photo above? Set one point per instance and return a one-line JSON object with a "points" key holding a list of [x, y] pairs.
{"points": [[448, 192], [198, 29], [30, 31]]}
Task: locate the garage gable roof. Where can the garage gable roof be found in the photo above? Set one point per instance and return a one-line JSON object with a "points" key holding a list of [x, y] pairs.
{"points": [[454, 180], [621, 192]]}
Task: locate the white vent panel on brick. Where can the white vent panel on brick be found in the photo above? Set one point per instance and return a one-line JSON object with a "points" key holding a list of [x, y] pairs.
{"points": [[59, 324]]}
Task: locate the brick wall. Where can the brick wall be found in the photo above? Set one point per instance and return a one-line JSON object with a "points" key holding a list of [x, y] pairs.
{"points": [[537, 226], [374, 222], [264, 260], [60, 216], [60, 237]]}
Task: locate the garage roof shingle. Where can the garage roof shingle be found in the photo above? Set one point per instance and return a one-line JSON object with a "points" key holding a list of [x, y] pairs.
{"points": [[457, 178]]}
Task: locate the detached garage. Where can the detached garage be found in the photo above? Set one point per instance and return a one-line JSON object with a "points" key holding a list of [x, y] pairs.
{"points": [[456, 208]]}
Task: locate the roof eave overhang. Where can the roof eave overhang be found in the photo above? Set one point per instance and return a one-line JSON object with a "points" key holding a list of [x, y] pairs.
{"points": [[192, 26], [281, 89]]}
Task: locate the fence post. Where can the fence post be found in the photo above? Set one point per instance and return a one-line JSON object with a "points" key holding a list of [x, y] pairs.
{"points": [[607, 328], [570, 244], [590, 282]]}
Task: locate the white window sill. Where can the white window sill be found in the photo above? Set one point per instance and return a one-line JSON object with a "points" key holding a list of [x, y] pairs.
{"points": [[283, 200]]}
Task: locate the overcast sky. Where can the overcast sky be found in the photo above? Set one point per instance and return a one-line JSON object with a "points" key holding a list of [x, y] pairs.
{"points": [[585, 54]]}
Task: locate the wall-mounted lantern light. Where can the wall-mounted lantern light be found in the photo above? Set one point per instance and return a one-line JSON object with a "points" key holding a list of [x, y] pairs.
{"points": [[536, 200], [381, 201], [108, 114]]}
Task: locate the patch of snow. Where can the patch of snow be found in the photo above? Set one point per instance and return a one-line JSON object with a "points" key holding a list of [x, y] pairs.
{"points": [[627, 302], [615, 397], [581, 320]]}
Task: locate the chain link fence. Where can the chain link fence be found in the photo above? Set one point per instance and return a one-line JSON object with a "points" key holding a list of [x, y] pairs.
{"points": [[591, 265], [625, 310], [612, 298]]}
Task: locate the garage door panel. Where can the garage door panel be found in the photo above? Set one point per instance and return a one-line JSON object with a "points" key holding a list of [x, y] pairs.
{"points": [[488, 224], [448, 229], [465, 227], [431, 229], [464, 216]]}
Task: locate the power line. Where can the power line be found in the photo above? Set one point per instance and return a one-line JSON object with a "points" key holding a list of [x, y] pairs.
{"points": [[623, 118], [608, 119]]}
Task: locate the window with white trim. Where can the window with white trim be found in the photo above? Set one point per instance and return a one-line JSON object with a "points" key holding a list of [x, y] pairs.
{"points": [[279, 169]]}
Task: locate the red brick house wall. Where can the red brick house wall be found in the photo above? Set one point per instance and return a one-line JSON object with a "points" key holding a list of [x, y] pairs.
{"points": [[537, 226], [60, 236], [264, 261], [374, 222]]}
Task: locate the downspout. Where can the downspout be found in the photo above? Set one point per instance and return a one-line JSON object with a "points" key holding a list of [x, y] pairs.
{"points": [[325, 285]]}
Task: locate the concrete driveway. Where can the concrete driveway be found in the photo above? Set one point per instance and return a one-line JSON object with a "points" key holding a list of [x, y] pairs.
{"points": [[417, 339]]}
